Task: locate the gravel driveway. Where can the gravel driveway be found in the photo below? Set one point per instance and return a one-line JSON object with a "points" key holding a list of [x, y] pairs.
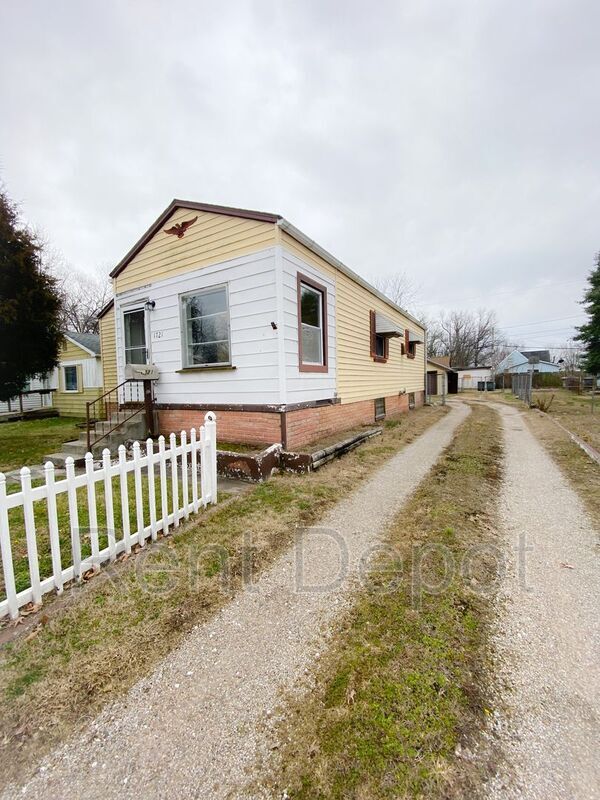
{"points": [[195, 727], [548, 636]]}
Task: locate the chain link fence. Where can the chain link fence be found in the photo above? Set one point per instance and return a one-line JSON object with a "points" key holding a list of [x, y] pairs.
{"points": [[522, 384]]}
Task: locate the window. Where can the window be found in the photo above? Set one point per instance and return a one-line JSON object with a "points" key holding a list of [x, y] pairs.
{"points": [[135, 337], [380, 408], [70, 379], [380, 345], [312, 325], [206, 340], [411, 399]]}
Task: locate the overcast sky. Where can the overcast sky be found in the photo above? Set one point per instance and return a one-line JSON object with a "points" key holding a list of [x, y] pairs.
{"points": [[458, 142]]}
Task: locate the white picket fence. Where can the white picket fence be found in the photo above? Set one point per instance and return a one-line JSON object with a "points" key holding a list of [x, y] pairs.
{"points": [[177, 467]]}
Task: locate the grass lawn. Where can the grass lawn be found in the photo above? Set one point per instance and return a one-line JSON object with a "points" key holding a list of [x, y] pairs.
{"points": [[26, 443], [571, 410], [402, 684], [94, 645]]}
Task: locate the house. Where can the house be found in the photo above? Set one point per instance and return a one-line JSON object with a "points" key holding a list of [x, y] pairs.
{"points": [[441, 378], [527, 361], [471, 377], [77, 379], [36, 394], [243, 314]]}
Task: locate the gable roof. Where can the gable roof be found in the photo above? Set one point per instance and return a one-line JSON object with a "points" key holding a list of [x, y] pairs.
{"points": [[88, 341], [245, 213], [260, 216], [106, 308], [540, 355], [439, 363]]}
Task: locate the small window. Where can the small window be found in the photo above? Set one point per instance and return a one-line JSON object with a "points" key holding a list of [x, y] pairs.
{"points": [[379, 343], [380, 408], [411, 399], [206, 328], [70, 375], [412, 349], [312, 325]]}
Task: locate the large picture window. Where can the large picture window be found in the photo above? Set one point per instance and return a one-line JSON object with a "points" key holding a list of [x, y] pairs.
{"points": [[312, 325], [206, 328]]}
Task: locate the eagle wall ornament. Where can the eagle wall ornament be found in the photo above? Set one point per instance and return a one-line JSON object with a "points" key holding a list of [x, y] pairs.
{"points": [[180, 228]]}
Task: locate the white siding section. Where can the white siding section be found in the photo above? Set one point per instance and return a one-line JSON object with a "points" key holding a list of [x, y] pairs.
{"points": [[30, 401], [254, 344], [91, 369], [303, 386]]}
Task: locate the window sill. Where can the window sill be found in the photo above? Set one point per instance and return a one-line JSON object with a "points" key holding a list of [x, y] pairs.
{"points": [[380, 359], [207, 368], [313, 368]]}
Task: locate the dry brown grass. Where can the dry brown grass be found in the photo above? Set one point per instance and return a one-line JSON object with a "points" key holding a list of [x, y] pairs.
{"points": [[404, 682], [90, 647]]}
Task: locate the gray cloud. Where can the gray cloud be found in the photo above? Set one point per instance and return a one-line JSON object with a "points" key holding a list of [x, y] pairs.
{"points": [[455, 141]]}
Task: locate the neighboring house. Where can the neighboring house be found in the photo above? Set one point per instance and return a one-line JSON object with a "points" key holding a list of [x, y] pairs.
{"points": [[78, 377], [245, 315], [36, 394], [527, 361], [470, 377], [441, 378]]}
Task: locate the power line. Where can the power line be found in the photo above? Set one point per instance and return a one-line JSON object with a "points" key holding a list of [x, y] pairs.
{"points": [[541, 321], [511, 291]]}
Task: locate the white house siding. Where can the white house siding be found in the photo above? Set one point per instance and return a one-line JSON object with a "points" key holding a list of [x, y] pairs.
{"points": [[304, 386], [516, 362], [30, 401], [251, 281], [469, 378]]}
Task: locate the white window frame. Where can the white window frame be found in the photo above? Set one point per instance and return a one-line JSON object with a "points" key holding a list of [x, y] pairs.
{"points": [[138, 305], [64, 369], [183, 326]]}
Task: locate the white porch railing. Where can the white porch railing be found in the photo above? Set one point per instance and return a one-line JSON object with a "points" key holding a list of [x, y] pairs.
{"points": [[165, 485]]}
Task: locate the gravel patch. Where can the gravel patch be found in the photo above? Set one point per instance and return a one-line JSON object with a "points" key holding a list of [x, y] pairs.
{"points": [[547, 641], [196, 726]]}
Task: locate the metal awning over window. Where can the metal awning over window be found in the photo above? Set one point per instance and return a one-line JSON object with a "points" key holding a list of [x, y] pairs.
{"points": [[385, 327], [415, 337]]}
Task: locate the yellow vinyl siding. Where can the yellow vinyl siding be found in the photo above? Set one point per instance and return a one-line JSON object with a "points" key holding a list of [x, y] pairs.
{"points": [[108, 349], [72, 352], [301, 251], [358, 376], [211, 239], [73, 404]]}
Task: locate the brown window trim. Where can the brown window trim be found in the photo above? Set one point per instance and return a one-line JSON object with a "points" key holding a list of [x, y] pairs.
{"points": [[386, 342], [409, 352], [324, 367]]}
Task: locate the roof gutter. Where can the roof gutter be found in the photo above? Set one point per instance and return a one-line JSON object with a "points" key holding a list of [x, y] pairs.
{"points": [[319, 251]]}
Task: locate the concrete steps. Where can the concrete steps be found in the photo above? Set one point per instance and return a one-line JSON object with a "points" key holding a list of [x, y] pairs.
{"points": [[134, 428]]}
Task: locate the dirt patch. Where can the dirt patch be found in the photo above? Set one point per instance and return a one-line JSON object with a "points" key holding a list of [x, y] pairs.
{"points": [[400, 699], [112, 634]]}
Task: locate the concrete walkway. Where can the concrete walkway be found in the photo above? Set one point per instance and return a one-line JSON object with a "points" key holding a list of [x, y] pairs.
{"points": [[193, 728], [548, 635]]}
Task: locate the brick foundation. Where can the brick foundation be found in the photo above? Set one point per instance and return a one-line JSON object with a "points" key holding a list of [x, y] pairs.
{"points": [[302, 426]]}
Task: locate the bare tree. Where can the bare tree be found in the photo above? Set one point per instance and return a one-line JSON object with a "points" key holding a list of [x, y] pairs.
{"points": [[400, 289], [83, 296], [469, 338], [571, 354]]}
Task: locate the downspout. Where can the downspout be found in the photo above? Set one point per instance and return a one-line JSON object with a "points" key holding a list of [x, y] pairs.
{"points": [[280, 322]]}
